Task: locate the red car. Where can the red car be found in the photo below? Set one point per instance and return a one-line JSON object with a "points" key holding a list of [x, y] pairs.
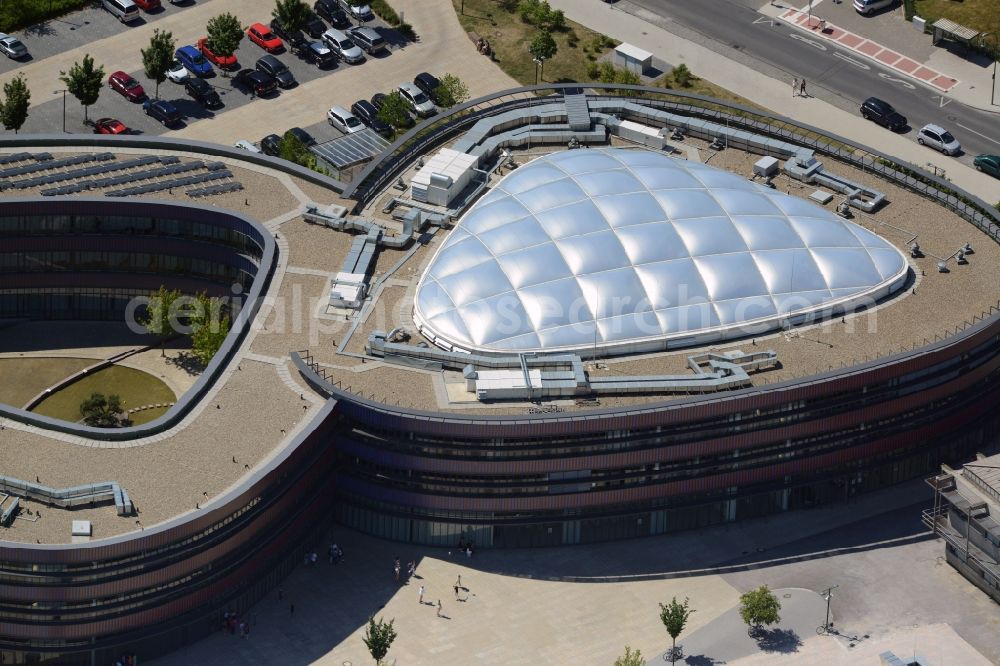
{"points": [[129, 88], [262, 36], [109, 126], [148, 5], [222, 62]]}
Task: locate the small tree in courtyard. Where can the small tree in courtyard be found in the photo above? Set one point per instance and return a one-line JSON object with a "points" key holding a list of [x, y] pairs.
{"points": [[17, 99], [160, 318], [84, 81], [394, 110], [759, 608], [224, 35], [102, 411], [293, 14], [209, 327], [378, 638], [630, 658], [156, 59], [674, 617], [451, 91]]}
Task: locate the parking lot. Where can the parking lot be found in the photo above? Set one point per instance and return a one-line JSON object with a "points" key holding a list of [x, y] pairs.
{"points": [[55, 45]]}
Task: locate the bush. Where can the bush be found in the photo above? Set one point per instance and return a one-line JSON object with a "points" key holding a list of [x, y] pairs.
{"points": [[607, 72], [406, 30], [22, 13], [509, 6], [593, 71], [385, 12], [682, 75]]}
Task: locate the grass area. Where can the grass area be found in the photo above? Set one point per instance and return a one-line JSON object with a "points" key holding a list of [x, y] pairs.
{"points": [[135, 387], [147, 415], [16, 14], [24, 378], [578, 48], [981, 15], [510, 38]]}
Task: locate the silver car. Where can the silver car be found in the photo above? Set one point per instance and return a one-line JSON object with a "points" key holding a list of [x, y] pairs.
{"points": [[418, 101], [938, 138], [869, 6], [342, 45], [12, 46]]}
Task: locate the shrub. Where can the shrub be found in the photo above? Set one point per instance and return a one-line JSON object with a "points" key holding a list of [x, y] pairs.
{"points": [[22, 13], [682, 75], [607, 72], [593, 71], [406, 30], [385, 12]]}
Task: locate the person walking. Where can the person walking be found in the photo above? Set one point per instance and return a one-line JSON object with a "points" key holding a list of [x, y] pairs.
{"points": [[802, 88], [439, 608], [395, 570], [458, 583], [421, 597], [795, 86], [456, 591]]}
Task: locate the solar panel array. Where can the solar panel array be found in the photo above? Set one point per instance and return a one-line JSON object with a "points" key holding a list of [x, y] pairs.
{"points": [[159, 186], [55, 164], [351, 149], [85, 171], [234, 186]]}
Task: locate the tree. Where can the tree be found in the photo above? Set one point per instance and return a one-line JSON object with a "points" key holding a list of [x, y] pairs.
{"points": [[295, 151], [161, 314], [102, 411], [378, 638], [209, 327], [394, 110], [17, 99], [630, 658], [674, 617], [293, 14], [224, 35], [84, 81], [156, 60], [543, 48], [451, 91], [759, 608]]}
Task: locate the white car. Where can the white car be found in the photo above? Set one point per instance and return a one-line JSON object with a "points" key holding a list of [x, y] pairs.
{"points": [[418, 100], [12, 47], [938, 138], [246, 145], [866, 7], [344, 120], [178, 73]]}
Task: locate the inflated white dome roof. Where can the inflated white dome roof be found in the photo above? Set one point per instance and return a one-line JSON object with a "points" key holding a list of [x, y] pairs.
{"points": [[632, 250]]}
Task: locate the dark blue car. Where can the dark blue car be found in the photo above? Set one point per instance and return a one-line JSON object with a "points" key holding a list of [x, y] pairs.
{"points": [[194, 61], [163, 111]]}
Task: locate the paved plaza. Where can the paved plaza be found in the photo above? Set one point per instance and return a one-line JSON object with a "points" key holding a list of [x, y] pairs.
{"points": [[582, 605]]}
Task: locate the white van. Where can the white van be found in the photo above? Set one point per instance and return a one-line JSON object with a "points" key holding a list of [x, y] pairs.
{"points": [[125, 11], [869, 6]]}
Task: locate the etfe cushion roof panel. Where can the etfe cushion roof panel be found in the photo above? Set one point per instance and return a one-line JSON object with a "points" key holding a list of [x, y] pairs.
{"points": [[640, 251]]}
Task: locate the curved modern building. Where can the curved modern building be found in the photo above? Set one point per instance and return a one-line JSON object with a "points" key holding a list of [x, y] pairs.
{"points": [[298, 422]]}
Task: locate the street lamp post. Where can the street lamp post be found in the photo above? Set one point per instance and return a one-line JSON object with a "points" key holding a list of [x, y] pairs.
{"points": [[63, 91], [537, 61], [828, 595], [996, 55]]}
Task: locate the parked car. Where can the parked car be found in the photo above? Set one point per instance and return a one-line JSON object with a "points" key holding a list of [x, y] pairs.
{"points": [[220, 61], [147, 5], [262, 36], [344, 120], [178, 72], [126, 86], [357, 12], [331, 11], [162, 110], [110, 126], [368, 114], [418, 101], [988, 164], [271, 145], [194, 61], [314, 27], [377, 99], [304, 137], [882, 113], [938, 138], [342, 45], [368, 39], [257, 82], [867, 7], [276, 69], [428, 84], [243, 144], [318, 53], [12, 47], [202, 92]]}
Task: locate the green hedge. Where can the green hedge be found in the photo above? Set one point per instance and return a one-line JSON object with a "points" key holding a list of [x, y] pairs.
{"points": [[17, 14]]}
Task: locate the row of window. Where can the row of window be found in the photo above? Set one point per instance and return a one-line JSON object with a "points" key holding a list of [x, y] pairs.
{"points": [[132, 262]]}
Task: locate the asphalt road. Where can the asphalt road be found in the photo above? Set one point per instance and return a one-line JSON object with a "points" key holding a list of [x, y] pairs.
{"points": [[834, 74]]}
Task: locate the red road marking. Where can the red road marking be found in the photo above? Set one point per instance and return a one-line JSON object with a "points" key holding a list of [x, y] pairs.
{"points": [[869, 48], [925, 74], [906, 65], [944, 82], [850, 40], [888, 57]]}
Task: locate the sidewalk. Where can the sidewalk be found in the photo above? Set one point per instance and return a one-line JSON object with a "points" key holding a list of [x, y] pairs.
{"points": [[770, 93]]}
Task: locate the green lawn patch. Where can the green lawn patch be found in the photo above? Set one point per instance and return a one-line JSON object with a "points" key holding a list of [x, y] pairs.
{"points": [[24, 378], [136, 388], [17, 14], [981, 15]]}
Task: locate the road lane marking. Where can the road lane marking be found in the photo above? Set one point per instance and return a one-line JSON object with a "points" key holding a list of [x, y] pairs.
{"points": [[810, 42], [851, 60], [899, 81], [978, 133], [945, 101]]}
